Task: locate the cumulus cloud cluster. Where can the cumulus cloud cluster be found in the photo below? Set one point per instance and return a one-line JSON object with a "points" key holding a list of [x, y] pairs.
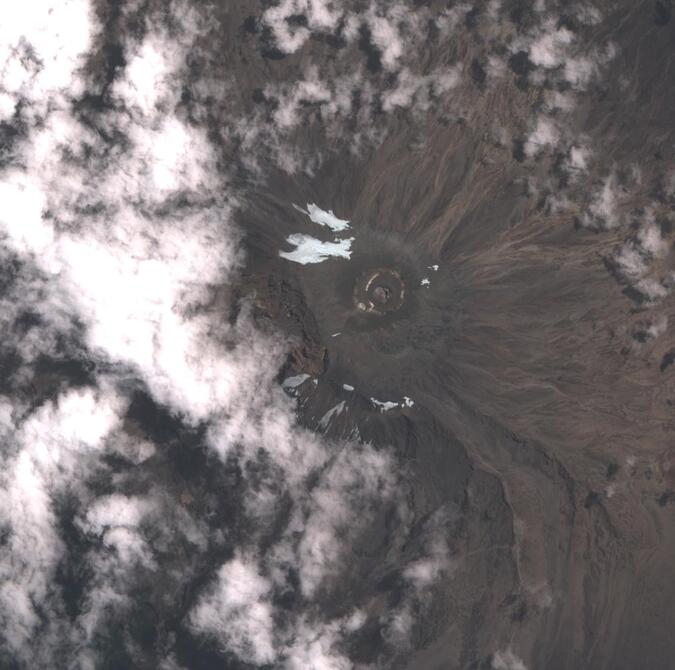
{"points": [[351, 63], [613, 199], [241, 608], [118, 245], [639, 260], [378, 71], [391, 26], [553, 52], [46, 452]]}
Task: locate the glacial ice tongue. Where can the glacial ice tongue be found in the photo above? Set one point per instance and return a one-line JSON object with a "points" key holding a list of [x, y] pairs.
{"points": [[311, 250], [324, 218]]}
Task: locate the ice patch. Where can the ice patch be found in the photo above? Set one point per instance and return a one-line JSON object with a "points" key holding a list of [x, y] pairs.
{"points": [[384, 406], [311, 250], [326, 418], [425, 282], [294, 382], [324, 218], [433, 267]]}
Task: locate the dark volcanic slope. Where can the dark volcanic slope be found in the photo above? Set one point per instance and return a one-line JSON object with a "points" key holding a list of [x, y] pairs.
{"points": [[541, 411], [444, 444]]}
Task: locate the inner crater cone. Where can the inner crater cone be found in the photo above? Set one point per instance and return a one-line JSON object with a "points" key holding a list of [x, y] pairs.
{"points": [[379, 291]]}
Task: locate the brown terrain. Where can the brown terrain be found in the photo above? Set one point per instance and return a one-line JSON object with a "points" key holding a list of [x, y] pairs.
{"points": [[543, 391]]}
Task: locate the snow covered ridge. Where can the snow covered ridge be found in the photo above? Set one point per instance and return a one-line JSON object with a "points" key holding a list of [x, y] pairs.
{"points": [[309, 249]]}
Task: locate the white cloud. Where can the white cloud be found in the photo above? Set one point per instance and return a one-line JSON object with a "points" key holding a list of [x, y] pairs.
{"points": [[147, 76], [637, 260], [631, 261], [579, 70], [414, 91], [309, 90], [353, 485], [545, 134], [41, 44], [659, 326], [578, 158], [134, 449], [131, 274], [385, 33], [507, 660], [321, 16], [451, 18], [314, 646], [650, 238], [54, 445], [563, 101], [116, 511], [603, 210], [130, 243], [588, 14], [237, 611], [358, 481], [398, 627], [556, 53], [89, 223], [493, 9], [426, 570], [550, 49]]}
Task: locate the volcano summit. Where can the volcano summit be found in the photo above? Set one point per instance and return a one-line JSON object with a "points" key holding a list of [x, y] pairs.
{"points": [[337, 335]]}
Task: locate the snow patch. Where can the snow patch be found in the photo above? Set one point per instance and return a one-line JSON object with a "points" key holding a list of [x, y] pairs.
{"points": [[324, 218], [294, 382], [385, 405], [310, 250], [327, 417]]}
